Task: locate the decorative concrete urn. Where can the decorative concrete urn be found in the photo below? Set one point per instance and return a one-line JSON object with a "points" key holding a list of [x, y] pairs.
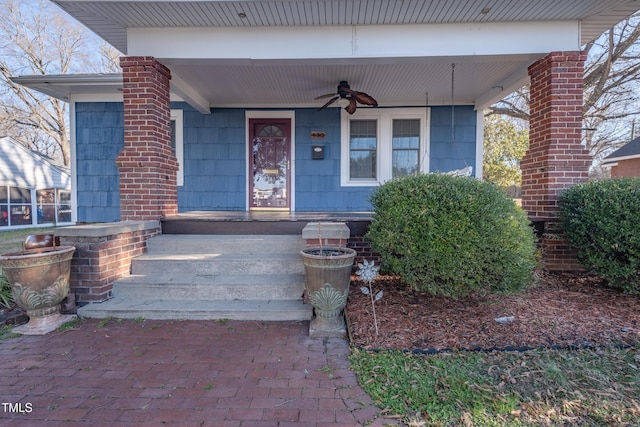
{"points": [[327, 279], [39, 281]]}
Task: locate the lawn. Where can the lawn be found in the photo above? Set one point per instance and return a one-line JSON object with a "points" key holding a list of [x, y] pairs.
{"points": [[569, 357], [588, 387], [11, 240]]}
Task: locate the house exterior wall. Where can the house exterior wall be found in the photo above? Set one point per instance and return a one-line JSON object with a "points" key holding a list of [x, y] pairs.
{"points": [[626, 168], [20, 167], [33, 190], [318, 181], [215, 158], [99, 139], [447, 155]]}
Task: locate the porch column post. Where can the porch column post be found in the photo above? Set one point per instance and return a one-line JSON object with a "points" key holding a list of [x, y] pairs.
{"points": [[556, 159], [148, 168]]}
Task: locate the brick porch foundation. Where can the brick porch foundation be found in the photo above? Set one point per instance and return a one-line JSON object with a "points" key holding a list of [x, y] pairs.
{"points": [[103, 255]]}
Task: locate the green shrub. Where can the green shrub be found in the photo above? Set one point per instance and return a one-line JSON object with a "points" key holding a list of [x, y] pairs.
{"points": [[601, 220], [6, 299], [451, 236]]}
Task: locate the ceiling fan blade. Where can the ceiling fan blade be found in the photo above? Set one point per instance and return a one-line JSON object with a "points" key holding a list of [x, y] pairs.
{"points": [[351, 108], [365, 99], [331, 101], [326, 95]]}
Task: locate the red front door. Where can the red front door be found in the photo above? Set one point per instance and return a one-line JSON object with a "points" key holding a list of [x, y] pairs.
{"points": [[270, 151]]}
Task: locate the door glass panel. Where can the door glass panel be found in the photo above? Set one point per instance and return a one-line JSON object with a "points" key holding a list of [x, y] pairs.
{"points": [[270, 166]]}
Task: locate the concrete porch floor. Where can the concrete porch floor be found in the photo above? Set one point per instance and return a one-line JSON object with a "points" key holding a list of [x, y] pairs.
{"points": [[182, 373]]}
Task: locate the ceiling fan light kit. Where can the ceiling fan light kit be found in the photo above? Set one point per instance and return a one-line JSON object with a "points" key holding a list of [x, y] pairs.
{"points": [[354, 97]]}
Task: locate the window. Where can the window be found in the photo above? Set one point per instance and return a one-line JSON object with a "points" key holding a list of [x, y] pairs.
{"points": [[54, 205], [405, 141], [46, 205], [4, 206], [23, 206], [363, 150], [19, 206], [177, 142], [64, 206], [380, 144]]}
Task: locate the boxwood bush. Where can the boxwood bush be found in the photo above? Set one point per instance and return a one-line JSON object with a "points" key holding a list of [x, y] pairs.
{"points": [[452, 236], [601, 220]]}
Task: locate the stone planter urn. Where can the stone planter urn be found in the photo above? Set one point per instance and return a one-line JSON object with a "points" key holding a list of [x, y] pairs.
{"points": [[327, 279], [39, 280]]}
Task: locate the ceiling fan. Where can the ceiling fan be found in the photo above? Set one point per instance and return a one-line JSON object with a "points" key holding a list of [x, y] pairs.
{"points": [[353, 96]]}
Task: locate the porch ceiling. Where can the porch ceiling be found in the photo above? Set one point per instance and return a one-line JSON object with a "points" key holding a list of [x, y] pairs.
{"points": [[111, 19], [238, 81]]}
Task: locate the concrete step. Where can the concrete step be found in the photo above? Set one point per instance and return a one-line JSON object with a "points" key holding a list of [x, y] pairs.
{"points": [[162, 309], [211, 287], [222, 263], [243, 277], [249, 245]]}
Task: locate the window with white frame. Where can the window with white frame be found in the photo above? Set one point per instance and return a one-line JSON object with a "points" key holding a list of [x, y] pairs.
{"points": [[177, 142], [363, 150], [381, 144], [54, 206]]}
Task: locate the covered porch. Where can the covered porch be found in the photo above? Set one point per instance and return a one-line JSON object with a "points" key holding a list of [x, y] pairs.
{"points": [[226, 63]]}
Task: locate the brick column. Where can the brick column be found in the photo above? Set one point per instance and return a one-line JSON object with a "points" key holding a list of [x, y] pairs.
{"points": [[148, 169], [555, 159]]}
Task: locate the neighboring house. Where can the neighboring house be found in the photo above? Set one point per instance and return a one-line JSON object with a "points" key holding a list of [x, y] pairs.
{"points": [[33, 189], [216, 106], [624, 162]]}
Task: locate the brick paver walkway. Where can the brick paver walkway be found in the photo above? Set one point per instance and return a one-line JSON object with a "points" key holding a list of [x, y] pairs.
{"points": [[182, 373]]}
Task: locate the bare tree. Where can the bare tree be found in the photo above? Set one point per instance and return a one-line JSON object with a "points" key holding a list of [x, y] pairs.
{"points": [[37, 38], [611, 76]]}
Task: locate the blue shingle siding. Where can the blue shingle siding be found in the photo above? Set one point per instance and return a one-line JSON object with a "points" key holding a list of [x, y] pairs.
{"points": [[215, 156], [445, 154], [99, 140], [318, 181], [214, 160]]}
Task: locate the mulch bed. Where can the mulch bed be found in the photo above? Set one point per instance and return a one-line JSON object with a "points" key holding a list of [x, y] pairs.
{"points": [[562, 310]]}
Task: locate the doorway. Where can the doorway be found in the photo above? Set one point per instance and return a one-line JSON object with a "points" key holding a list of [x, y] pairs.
{"points": [[270, 164]]}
